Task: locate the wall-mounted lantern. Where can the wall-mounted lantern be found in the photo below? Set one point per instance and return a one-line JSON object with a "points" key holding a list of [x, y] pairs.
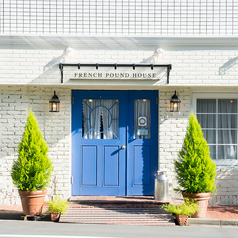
{"points": [[159, 52], [54, 103], [175, 103], [69, 52]]}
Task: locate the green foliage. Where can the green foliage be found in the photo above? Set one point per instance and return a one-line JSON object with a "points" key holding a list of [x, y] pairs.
{"points": [[58, 205], [32, 169], [195, 170], [189, 207]]}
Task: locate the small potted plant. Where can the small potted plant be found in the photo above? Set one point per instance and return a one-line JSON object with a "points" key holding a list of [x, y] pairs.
{"points": [[57, 207], [183, 211], [31, 171], [195, 170]]}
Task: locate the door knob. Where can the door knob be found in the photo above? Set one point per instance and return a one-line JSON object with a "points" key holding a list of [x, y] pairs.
{"points": [[123, 147]]}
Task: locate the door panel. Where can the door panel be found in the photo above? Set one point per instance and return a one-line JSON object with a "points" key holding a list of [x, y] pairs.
{"points": [[98, 133], [142, 158], [89, 166], [103, 122], [111, 166], [141, 170]]}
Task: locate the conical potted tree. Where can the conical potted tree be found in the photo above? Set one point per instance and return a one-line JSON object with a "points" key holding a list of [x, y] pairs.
{"points": [[195, 170], [31, 171]]}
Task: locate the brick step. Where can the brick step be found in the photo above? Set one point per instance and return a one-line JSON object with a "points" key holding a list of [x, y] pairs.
{"points": [[120, 221], [135, 210], [117, 201], [119, 212], [116, 204], [115, 209], [123, 222], [129, 216], [152, 215], [119, 206], [116, 218]]}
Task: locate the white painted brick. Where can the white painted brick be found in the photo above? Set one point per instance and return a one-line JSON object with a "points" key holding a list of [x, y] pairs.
{"points": [[182, 73], [15, 114]]}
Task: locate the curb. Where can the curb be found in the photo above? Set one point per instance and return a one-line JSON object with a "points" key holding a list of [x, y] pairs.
{"points": [[212, 222], [18, 215], [11, 215]]}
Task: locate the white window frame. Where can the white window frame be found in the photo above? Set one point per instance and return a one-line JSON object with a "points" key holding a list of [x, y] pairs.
{"points": [[216, 95]]}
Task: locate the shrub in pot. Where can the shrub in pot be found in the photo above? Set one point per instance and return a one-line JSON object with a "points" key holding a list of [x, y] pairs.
{"points": [[31, 171], [57, 207], [195, 170], [183, 211]]}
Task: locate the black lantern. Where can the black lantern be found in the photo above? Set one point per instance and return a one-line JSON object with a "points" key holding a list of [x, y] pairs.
{"points": [[174, 103], [54, 103]]}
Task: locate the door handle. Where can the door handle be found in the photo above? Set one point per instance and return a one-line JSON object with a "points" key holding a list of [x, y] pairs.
{"points": [[123, 147]]}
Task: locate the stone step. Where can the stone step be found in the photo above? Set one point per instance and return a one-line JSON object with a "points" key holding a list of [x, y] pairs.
{"points": [[115, 208], [113, 200], [134, 210], [129, 216]]}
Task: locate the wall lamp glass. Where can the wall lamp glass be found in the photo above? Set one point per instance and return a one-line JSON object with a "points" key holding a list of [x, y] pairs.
{"points": [[54, 103], [175, 103]]}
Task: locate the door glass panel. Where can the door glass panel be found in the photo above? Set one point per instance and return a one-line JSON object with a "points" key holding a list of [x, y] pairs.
{"points": [[142, 119], [100, 119]]}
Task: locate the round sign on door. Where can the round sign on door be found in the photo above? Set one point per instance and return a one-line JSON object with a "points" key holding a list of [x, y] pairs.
{"points": [[142, 121]]}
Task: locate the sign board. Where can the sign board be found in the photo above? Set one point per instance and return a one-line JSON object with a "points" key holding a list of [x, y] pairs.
{"points": [[142, 131], [125, 71], [121, 73]]}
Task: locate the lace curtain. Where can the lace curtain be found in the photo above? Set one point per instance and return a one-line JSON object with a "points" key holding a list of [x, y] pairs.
{"points": [[100, 119], [142, 109]]}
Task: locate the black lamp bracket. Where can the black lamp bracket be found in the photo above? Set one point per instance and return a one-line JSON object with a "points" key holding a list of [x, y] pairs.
{"points": [[97, 65]]}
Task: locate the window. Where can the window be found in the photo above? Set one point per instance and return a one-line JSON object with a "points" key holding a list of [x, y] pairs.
{"points": [[218, 119], [100, 119], [142, 119]]}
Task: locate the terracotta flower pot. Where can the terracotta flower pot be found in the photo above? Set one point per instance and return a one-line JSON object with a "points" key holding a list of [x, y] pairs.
{"points": [[202, 201], [55, 216], [182, 220], [32, 202]]}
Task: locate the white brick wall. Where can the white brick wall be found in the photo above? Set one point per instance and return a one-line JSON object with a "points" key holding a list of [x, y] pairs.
{"points": [[227, 186], [172, 130], [203, 66], [191, 66], [56, 128]]}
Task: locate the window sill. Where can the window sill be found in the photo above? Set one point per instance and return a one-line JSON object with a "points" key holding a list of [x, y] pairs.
{"points": [[226, 162]]}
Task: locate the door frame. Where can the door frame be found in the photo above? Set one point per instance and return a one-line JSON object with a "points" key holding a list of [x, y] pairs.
{"points": [[127, 136]]}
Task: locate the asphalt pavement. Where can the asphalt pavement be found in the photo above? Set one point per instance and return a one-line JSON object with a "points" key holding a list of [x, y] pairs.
{"points": [[43, 229]]}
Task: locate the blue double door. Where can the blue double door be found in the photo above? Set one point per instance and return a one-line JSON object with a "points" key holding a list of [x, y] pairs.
{"points": [[114, 142]]}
